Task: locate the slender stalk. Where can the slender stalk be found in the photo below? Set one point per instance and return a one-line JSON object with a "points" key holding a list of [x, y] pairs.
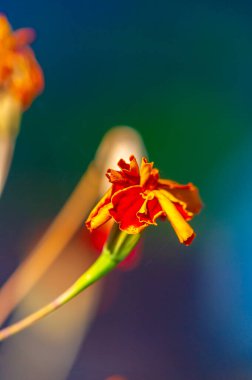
{"points": [[103, 265], [119, 245]]}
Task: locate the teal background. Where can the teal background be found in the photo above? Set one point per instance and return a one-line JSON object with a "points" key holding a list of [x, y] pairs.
{"points": [[180, 73]]}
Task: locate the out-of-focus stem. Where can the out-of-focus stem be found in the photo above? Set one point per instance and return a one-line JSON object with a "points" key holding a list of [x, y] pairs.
{"points": [[118, 142], [57, 236], [7, 145], [10, 118]]}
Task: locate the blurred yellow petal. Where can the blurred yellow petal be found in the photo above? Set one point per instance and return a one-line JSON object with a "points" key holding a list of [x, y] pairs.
{"points": [[5, 28]]}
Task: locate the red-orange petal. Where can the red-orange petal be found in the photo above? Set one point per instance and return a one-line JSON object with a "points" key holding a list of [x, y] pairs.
{"points": [[150, 211], [26, 80], [126, 204], [20, 73], [132, 168], [182, 210], [188, 194], [127, 176]]}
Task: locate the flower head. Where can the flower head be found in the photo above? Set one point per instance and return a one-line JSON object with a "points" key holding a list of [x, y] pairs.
{"points": [[20, 73], [138, 197]]}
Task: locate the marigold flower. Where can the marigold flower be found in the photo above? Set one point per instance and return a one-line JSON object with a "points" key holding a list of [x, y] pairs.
{"points": [[138, 197], [21, 80], [135, 200], [20, 73]]}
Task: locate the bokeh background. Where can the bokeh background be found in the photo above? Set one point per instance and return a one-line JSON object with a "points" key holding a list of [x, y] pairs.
{"points": [[180, 73]]}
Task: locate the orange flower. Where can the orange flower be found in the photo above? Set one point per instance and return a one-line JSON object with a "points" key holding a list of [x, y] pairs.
{"points": [[20, 73], [138, 197]]}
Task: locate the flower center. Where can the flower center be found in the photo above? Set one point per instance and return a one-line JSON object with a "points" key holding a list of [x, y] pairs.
{"points": [[148, 195]]}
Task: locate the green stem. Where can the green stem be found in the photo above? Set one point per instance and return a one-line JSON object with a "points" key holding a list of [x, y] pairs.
{"points": [[118, 247]]}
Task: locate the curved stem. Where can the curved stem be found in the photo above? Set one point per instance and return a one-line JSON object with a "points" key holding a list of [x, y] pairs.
{"points": [[103, 265], [118, 246], [59, 233]]}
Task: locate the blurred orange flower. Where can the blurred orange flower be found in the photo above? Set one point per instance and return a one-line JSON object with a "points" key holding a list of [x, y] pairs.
{"points": [[138, 197], [20, 73]]}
